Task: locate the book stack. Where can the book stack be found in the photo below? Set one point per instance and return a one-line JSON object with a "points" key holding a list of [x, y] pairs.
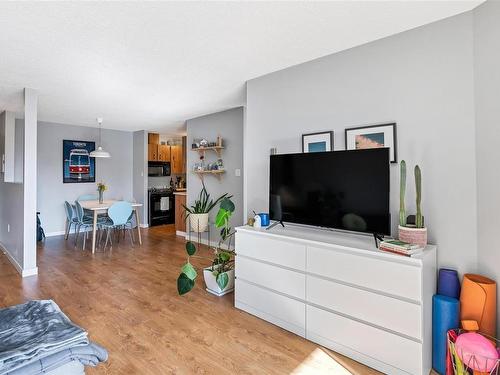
{"points": [[400, 247]]}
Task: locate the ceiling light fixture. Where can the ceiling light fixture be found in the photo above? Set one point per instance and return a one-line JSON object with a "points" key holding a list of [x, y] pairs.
{"points": [[100, 153]]}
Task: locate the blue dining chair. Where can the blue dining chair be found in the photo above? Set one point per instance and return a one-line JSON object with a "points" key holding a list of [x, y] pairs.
{"points": [[118, 217], [70, 218], [85, 222]]}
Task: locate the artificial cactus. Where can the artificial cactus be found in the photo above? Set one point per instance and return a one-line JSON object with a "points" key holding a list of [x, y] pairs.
{"points": [[402, 192], [419, 220]]}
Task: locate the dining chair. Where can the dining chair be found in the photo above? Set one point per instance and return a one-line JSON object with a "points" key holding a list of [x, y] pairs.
{"points": [[118, 217], [70, 218], [85, 222]]}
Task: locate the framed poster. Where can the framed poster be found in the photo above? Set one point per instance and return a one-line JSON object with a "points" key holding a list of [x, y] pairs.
{"points": [[317, 142], [373, 136], [78, 166]]}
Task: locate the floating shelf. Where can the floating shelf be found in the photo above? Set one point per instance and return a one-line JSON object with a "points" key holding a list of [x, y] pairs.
{"points": [[218, 173], [216, 149]]}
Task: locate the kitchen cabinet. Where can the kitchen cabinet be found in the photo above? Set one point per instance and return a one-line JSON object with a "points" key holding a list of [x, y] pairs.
{"points": [[153, 138], [177, 159], [152, 152], [180, 220], [163, 153]]}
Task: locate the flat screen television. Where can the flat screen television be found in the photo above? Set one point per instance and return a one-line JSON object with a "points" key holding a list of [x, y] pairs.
{"points": [[347, 190]]}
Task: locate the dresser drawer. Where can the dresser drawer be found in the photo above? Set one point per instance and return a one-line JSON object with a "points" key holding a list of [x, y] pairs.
{"points": [[375, 273], [272, 277], [280, 310], [394, 314], [380, 345], [262, 247]]}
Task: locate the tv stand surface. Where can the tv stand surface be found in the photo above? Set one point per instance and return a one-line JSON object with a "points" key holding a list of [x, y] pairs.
{"points": [[338, 290]]}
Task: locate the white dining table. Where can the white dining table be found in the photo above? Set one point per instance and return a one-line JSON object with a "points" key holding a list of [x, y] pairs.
{"points": [[99, 208]]}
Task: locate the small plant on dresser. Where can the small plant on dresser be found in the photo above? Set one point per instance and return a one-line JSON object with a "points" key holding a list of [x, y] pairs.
{"points": [[219, 276], [412, 231]]}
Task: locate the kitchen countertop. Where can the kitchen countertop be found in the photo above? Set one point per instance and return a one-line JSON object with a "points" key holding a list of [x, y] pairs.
{"points": [[182, 192]]}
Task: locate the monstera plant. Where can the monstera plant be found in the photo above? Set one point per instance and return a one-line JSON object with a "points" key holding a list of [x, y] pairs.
{"points": [[219, 275]]}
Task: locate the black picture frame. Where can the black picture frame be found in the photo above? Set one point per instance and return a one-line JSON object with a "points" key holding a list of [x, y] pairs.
{"points": [[329, 134], [68, 146], [393, 147]]}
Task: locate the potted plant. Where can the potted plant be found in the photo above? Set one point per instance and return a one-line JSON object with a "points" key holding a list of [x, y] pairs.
{"points": [[219, 276], [101, 188], [414, 233], [198, 212]]}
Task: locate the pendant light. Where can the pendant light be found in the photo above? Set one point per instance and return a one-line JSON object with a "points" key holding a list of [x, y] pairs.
{"points": [[99, 153]]}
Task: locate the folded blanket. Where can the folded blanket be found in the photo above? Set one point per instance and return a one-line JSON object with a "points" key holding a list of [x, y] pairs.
{"points": [[89, 355], [35, 330]]}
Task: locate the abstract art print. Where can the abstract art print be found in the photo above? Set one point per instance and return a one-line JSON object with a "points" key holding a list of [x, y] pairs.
{"points": [[373, 136], [317, 142], [78, 166]]}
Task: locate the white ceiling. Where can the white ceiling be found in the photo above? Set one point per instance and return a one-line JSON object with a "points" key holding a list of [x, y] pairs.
{"points": [[152, 65]]}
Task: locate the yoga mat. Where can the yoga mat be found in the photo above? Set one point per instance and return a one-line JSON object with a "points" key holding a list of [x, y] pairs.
{"points": [[445, 312], [478, 302], [448, 283]]}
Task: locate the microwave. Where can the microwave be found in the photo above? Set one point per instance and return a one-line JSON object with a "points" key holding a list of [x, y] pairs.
{"points": [[158, 168]]}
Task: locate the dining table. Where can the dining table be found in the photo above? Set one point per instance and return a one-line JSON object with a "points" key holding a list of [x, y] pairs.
{"points": [[100, 208]]}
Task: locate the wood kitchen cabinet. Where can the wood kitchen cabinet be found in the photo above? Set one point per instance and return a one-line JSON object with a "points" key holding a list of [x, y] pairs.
{"points": [[180, 220], [163, 152], [152, 152], [176, 159], [153, 138]]}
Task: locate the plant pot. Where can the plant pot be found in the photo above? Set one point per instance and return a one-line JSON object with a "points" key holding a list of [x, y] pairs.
{"points": [[417, 236], [198, 222], [211, 282]]}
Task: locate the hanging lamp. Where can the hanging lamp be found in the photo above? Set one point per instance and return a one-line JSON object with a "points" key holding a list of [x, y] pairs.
{"points": [[100, 153]]}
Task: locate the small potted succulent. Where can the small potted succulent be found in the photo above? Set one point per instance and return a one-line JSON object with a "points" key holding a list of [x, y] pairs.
{"points": [[199, 210], [219, 276], [414, 232]]}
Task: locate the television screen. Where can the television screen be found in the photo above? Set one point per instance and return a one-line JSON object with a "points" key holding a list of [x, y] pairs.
{"points": [[346, 190]]}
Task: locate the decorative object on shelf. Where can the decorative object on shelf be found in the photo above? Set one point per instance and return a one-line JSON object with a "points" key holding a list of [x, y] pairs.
{"points": [[317, 142], [445, 312], [408, 232], [219, 276], [478, 304], [264, 219], [448, 283], [198, 212], [100, 153], [78, 166], [203, 143], [373, 136], [101, 188]]}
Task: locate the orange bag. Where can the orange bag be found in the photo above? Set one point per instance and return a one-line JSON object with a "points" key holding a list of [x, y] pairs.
{"points": [[478, 303]]}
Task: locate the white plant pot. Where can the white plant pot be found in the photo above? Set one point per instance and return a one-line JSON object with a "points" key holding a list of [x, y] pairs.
{"points": [[198, 222], [417, 236], [211, 282]]}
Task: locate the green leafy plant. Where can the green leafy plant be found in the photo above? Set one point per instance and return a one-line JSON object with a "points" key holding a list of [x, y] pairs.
{"points": [[223, 258], [203, 205], [402, 192]]}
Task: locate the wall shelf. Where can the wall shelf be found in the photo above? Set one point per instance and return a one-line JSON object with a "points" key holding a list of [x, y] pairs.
{"points": [[218, 173], [216, 149]]}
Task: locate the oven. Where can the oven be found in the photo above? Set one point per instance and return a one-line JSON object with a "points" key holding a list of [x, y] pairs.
{"points": [[161, 207], [158, 168]]}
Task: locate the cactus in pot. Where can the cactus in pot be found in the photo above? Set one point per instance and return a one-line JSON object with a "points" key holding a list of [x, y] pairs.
{"points": [[402, 192], [419, 220]]}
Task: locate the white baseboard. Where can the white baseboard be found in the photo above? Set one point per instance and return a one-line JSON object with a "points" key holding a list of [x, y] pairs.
{"points": [[144, 225], [62, 232], [17, 266], [180, 233]]}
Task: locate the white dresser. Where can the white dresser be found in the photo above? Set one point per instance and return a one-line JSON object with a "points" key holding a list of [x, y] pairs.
{"points": [[341, 292]]}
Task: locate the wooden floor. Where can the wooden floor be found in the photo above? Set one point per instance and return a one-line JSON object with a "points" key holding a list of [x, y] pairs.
{"points": [[126, 299]]}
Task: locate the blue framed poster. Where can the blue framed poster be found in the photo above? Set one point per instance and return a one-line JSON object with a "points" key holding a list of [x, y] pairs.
{"points": [[78, 166]]}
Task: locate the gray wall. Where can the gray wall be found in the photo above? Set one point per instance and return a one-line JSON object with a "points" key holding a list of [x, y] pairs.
{"points": [[422, 80], [228, 125], [116, 172], [12, 205], [140, 171], [487, 99]]}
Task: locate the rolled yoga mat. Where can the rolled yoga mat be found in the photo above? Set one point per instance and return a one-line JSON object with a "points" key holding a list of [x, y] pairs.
{"points": [[478, 302], [445, 313], [448, 283]]}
